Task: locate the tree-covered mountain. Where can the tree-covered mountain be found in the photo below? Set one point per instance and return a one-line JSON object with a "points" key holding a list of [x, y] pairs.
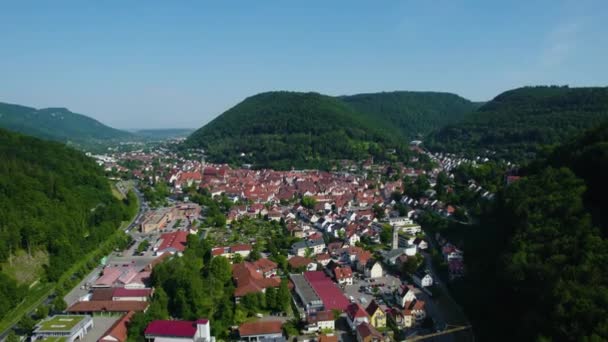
{"points": [[538, 257], [290, 129], [52, 199], [517, 123], [57, 124], [413, 113]]}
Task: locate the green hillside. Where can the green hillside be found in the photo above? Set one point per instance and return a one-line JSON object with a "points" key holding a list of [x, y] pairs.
{"points": [[290, 129], [52, 199], [517, 123], [539, 253], [413, 113], [57, 124]]}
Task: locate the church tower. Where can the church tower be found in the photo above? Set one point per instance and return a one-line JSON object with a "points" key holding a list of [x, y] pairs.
{"points": [[395, 238]]}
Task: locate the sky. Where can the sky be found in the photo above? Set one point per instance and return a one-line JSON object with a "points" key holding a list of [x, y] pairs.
{"points": [[179, 64]]}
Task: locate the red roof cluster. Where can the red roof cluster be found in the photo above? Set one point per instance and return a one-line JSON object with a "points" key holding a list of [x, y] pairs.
{"points": [[249, 277], [343, 272]]}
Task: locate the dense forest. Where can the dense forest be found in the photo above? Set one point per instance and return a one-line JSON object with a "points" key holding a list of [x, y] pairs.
{"points": [[57, 124], [537, 259], [55, 199], [413, 113], [518, 123], [288, 129]]}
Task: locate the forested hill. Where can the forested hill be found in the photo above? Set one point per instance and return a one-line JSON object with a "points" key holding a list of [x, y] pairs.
{"points": [[538, 257], [413, 113], [290, 129], [57, 124], [52, 199], [517, 123]]}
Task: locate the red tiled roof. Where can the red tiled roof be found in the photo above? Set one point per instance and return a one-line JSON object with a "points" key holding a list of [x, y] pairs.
{"points": [[108, 306], [298, 261], [260, 328], [249, 280], [118, 331], [321, 316], [122, 292], [343, 272], [365, 329], [176, 240], [173, 328], [354, 310], [327, 290]]}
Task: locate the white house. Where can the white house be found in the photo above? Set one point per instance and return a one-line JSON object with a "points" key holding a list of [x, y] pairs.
{"points": [[405, 295], [423, 278], [374, 269], [318, 321], [179, 331]]}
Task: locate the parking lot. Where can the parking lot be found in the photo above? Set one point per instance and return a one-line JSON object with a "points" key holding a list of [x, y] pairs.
{"points": [[362, 290]]}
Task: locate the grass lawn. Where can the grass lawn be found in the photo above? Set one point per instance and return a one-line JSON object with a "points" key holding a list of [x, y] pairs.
{"points": [[61, 323], [24, 268]]}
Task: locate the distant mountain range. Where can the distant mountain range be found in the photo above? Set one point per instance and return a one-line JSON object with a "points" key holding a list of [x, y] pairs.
{"points": [[291, 129], [518, 123], [58, 124], [164, 133]]}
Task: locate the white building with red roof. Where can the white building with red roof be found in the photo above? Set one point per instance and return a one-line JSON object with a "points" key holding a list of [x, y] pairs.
{"points": [[179, 331]]}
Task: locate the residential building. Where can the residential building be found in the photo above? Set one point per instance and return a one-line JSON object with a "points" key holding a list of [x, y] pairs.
{"points": [[320, 321], [367, 333], [423, 278], [343, 275], [374, 269], [377, 316], [179, 331], [261, 331], [230, 251], [355, 315], [404, 295]]}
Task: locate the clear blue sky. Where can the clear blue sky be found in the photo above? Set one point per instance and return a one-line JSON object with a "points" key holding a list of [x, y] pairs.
{"points": [[152, 64]]}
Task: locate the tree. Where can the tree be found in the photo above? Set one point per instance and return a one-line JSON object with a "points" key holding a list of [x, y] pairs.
{"points": [[220, 269], [12, 337], [42, 312], [308, 252], [386, 235], [378, 211], [283, 296], [271, 298], [26, 324], [255, 254], [59, 304], [309, 202], [237, 258], [410, 266]]}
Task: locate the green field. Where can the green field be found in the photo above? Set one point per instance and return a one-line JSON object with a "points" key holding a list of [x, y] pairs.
{"points": [[24, 268], [61, 323]]}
